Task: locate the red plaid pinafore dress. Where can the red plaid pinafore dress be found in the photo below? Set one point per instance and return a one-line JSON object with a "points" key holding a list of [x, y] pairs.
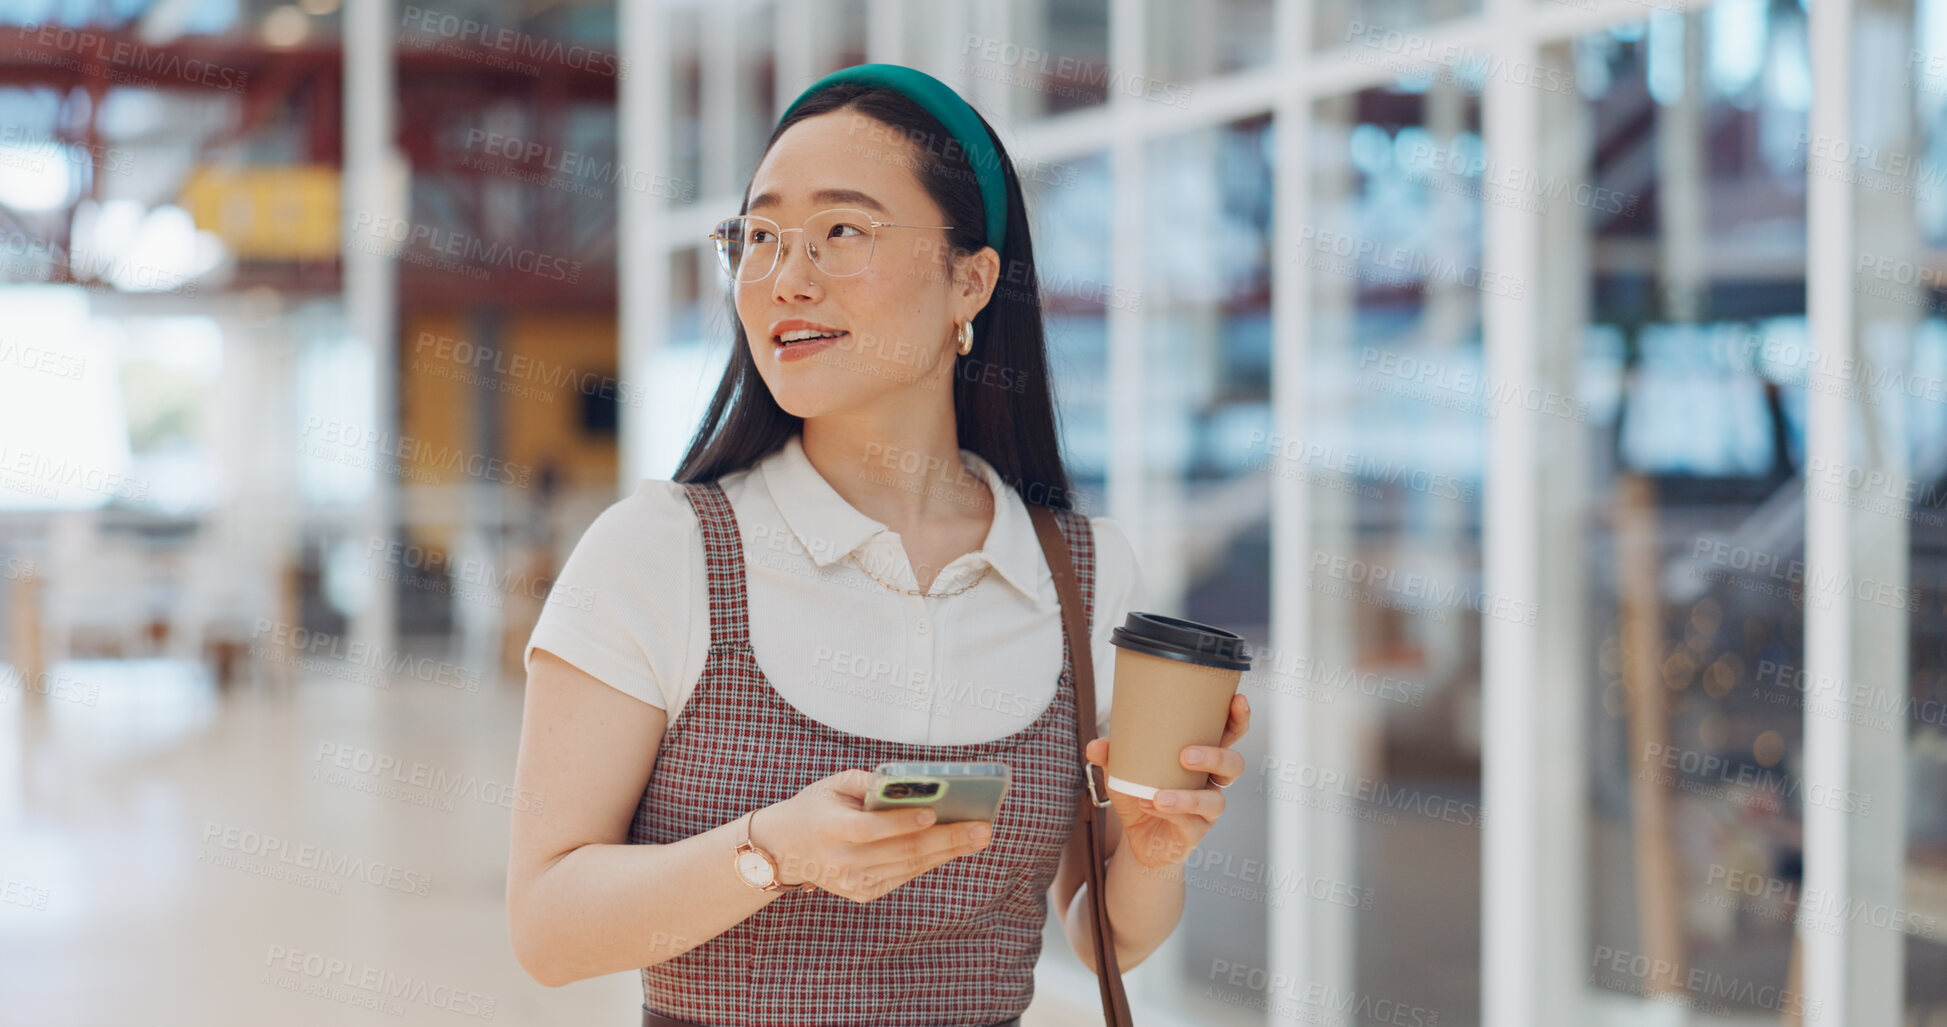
{"points": [[953, 947]]}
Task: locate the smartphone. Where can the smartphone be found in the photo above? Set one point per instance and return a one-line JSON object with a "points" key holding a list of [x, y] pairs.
{"points": [[954, 791]]}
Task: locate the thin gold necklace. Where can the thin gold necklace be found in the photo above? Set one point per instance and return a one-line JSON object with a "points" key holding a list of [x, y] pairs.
{"points": [[916, 592]]}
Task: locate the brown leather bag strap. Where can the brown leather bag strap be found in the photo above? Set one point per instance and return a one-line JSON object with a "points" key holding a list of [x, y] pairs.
{"points": [[1089, 817]]}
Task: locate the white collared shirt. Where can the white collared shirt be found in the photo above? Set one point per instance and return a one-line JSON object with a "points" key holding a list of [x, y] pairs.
{"points": [[842, 648]]}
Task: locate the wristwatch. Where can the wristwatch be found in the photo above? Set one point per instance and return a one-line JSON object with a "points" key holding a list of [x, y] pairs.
{"points": [[757, 867]]}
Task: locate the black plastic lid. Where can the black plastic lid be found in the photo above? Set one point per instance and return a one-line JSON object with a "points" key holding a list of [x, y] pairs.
{"points": [[1174, 638]]}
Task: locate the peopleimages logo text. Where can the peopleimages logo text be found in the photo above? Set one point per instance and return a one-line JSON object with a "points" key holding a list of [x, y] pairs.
{"points": [[1057, 67], [421, 775], [471, 251], [123, 54], [1758, 563], [306, 856], [1457, 60], [514, 41], [369, 986]]}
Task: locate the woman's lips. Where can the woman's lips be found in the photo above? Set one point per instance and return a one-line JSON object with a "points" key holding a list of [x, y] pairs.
{"points": [[828, 335], [801, 350]]}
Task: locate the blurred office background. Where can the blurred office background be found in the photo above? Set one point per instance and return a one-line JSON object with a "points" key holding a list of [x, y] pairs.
{"points": [[1552, 390]]}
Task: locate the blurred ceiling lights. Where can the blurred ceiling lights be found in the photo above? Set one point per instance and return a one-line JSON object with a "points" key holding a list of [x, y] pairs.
{"points": [[285, 26], [41, 177]]}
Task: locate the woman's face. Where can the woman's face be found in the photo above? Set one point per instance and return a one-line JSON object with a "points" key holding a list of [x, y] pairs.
{"points": [[899, 316]]}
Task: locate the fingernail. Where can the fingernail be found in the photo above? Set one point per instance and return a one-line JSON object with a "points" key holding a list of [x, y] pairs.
{"points": [[924, 817], [1166, 800], [1195, 756], [978, 834]]}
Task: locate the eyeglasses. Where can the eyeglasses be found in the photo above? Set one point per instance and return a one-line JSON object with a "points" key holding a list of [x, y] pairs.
{"points": [[839, 241]]}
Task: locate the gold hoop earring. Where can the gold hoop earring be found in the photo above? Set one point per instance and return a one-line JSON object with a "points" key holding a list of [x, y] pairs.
{"points": [[966, 338]]}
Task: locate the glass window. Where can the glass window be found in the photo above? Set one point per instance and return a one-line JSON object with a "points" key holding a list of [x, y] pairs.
{"points": [[1397, 404], [1055, 57], [754, 35], [1196, 41], [1068, 208], [1204, 527], [1897, 488], [683, 372], [1688, 279], [117, 397], [1388, 31], [685, 99], [846, 42]]}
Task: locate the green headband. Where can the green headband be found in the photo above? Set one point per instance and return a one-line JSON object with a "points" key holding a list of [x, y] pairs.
{"points": [[943, 103]]}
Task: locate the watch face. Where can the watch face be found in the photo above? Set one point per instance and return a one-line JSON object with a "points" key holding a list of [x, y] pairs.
{"points": [[755, 869]]}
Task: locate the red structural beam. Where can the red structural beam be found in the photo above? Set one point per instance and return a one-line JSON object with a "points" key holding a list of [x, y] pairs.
{"points": [[54, 55]]}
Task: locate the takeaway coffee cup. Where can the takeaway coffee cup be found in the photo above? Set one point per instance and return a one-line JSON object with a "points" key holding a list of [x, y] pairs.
{"points": [[1173, 683]]}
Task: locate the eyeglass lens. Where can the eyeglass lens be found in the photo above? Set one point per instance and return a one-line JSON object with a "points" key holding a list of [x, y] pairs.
{"points": [[839, 242]]}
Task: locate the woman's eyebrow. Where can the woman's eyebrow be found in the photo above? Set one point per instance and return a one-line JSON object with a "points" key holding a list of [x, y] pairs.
{"points": [[767, 199]]}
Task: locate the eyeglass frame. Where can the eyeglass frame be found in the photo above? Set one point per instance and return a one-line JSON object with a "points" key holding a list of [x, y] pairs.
{"points": [[778, 257]]}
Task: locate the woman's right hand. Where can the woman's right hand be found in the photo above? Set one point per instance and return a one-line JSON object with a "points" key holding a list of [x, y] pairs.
{"points": [[825, 835]]}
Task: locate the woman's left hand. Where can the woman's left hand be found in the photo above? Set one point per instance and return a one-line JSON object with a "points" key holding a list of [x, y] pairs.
{"points": [[1162, 831]]}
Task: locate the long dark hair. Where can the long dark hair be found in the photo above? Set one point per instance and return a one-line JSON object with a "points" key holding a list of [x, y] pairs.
{"points": [[1012, 427]]}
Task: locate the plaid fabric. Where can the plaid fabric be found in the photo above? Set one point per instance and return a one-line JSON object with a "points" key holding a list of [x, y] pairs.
{"points": [[955, 946]]}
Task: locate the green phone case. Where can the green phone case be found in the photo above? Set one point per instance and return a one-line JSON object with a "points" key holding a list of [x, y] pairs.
{"points": [[954, 791]]}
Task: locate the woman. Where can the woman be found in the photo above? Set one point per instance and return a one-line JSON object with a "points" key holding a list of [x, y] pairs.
{"points": [[850, 518]]}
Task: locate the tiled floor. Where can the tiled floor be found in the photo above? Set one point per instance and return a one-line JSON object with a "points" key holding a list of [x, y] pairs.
{"points": [[140, 813]]}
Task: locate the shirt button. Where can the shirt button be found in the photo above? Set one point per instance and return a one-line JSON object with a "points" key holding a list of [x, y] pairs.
{"points": [[924, 626]]}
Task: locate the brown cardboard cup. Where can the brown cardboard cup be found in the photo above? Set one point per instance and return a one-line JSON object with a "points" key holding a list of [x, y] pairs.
{"points": [[1173, 683]]}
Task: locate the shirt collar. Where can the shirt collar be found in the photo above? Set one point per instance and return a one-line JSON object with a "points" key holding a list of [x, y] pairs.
{"points": [[829, 528]]}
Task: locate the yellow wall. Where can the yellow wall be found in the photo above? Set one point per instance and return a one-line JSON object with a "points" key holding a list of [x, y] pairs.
{"points": [[567, 348], [545, 361]]}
